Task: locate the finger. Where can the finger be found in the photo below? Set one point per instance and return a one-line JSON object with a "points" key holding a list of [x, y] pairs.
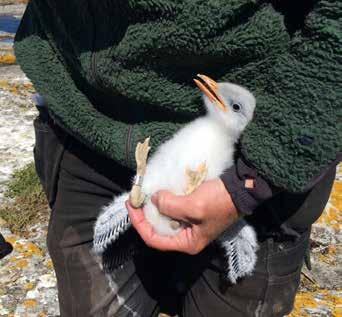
{"points": [[135, 214], [178, 242], [174, 206]]}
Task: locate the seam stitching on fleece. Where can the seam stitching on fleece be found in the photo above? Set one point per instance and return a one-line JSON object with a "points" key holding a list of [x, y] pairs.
{"points": [[128, 144]]}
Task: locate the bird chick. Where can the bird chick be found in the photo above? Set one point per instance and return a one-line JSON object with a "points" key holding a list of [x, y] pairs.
{"points": [[202, 150], [209, 140]]}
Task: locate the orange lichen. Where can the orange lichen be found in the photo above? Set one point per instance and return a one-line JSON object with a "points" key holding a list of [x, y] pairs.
{"points": [[49, 264], [336, 195], [28, 286], [28, 249], [7, 59], [337, 311], [15, 88], [21, 263], [322, 299], [18, 262], [11, 239], [303, 300], [30, 302]]}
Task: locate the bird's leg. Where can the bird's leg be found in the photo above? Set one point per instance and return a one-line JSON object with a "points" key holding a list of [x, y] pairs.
{"points": [[195, 177], [136, 196]]}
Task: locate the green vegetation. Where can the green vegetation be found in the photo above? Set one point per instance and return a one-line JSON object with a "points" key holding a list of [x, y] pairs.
{"points": [[26, 204]]}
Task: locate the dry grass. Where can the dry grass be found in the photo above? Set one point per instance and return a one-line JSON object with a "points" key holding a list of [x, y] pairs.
{"points": [[27, 204]]}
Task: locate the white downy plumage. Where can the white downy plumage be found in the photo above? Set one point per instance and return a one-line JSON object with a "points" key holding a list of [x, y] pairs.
{"points": [[211, 140]]}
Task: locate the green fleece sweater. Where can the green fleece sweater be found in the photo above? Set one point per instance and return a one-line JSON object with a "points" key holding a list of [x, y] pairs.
{"points": [[114, 72]]}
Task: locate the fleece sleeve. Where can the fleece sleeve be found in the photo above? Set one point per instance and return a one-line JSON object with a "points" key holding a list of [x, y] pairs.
{"points": [[297, 129]]}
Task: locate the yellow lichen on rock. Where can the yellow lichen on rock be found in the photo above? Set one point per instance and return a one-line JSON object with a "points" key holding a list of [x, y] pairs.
{"points": [[303, 301], [30, 302], [336, 195], [12, 239], [28, 286], [337, 311], [16, 88], [319, 301], [21, 263], [28, 249], [25, 249], [328, 303], [49, 264], [7, 59]]}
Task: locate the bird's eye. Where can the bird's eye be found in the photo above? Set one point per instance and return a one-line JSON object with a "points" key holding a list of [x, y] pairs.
{"points": [[236, 107]]}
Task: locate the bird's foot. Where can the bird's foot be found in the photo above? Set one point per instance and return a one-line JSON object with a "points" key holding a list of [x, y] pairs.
{"points": [[141, 153], [136, 196], [195, 177]]}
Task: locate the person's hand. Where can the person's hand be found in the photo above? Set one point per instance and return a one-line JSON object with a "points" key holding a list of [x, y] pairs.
{"points": [[209, 210]]}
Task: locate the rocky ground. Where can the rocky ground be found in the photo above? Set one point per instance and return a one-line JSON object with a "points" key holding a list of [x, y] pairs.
{"points": [[27, 280]]}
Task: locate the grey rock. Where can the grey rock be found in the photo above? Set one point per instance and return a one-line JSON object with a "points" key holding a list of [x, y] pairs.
{"points": [[12, 9]]}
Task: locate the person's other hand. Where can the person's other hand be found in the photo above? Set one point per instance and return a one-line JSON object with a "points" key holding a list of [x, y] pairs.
{"points": [[209, 210]]}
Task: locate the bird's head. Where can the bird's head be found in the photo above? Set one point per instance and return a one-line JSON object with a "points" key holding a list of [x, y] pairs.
{"points": [[231, 105]]}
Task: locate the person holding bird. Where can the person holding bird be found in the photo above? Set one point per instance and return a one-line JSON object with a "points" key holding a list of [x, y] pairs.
{"points": [[113, 73], [199, 152]]}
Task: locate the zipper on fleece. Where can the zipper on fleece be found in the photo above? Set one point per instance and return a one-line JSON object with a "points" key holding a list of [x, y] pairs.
{"points": [[93, 61], [128, 144], [94, 72], [99, 85]]}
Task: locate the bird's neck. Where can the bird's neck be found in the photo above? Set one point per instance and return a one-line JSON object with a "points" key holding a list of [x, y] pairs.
{"points": [[232, 136]]}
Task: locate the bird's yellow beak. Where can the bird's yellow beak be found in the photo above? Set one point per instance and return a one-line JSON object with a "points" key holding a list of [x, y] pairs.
{"points": [[210, 89]]}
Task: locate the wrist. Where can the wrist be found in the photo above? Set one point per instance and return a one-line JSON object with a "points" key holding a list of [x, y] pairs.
{"points": [[228, 204]]}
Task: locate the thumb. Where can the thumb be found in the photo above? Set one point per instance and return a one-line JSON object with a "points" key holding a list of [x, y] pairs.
{"points": [[174, 206]]}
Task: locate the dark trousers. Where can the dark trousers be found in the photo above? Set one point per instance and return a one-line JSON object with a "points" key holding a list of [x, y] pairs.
{"points": [[78, 182]]}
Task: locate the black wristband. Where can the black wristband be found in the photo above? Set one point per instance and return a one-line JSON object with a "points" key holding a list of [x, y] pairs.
{"points": [[245, 199]]}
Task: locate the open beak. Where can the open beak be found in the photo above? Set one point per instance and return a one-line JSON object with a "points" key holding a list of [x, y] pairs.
{"points": [[210, 88]]}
